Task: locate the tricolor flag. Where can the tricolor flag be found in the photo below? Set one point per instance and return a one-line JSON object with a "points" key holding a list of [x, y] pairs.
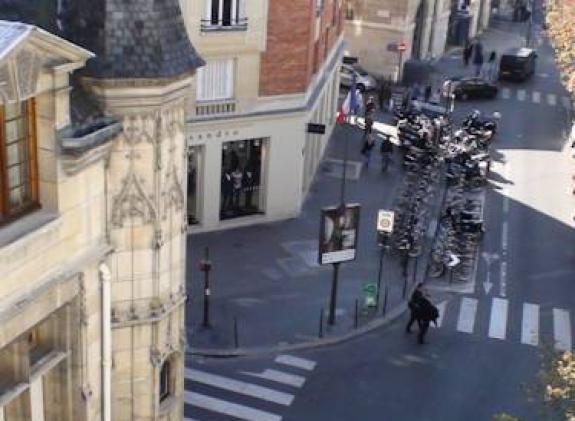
{"points": [[352, 103]]}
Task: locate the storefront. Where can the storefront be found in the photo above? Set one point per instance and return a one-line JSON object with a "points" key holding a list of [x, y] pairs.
{"points": [[241, 178]]}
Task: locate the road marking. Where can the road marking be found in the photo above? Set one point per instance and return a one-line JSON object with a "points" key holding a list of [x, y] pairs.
{"points": [[530, 324], [506, 204], [238, 386], [505, 93], [561, 329], [503, 279], [467, 315], [552, 99], [504, 235], [441, 307], [566, 101], [536, 97], [521, 94], [295, 362], [228, 408], [498, 318], [279, 377]]}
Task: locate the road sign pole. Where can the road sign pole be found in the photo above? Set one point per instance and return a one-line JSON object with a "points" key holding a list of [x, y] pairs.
{"points": [[380, 273], [333, 296]]}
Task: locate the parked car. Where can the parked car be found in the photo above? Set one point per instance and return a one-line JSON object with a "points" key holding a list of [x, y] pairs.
{"points": [[364, 80], [517, 64], [474, 87]]}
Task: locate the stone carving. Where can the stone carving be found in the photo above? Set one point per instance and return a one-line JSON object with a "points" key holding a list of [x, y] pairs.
{"points": [[173, 194], [136, 130], [132, 201], [27, 69]]}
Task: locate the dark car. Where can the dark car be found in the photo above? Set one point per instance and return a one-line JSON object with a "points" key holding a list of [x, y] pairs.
{"points": [[517, 64], [474, 87]]}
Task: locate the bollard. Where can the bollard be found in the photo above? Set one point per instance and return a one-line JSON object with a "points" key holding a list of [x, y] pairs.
{"points": [[385, 300], [236, 339], [320, 333], [414, 278], [355, 318]]}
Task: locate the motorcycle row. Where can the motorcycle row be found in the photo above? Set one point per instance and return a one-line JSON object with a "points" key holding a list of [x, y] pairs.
{"points": [[436, 154]]}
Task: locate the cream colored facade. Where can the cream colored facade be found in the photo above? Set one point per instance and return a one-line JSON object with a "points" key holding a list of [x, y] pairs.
{"points": [[92, 293], [290, 156], [371, 25]]}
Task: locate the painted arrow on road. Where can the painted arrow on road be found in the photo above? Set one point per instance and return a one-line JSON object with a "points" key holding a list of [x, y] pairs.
{"points": [[489, 259]]}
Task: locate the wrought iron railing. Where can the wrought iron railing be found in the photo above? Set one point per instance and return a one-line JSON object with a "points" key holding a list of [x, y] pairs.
{"points": [[217, 107], [209, 25]]}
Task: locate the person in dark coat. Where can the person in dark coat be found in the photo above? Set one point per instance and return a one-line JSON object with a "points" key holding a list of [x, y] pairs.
{"points": [[467, 50], [426, 313], [413, 304], [427, 94], [478, 58]]}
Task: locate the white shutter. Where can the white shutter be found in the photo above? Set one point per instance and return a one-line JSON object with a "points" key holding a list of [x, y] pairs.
{"points": [[216, 80]]}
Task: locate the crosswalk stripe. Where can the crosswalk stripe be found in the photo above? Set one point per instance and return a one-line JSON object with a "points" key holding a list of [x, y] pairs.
{"points": [[279, 377], [498, 318], [561, 329], [552, 99], [505, 93], [295, 362], [521, 94], [238, 386], [467, 315], [441, 307], [530, 324], [536, 96], [228, 408], [566, 101]]}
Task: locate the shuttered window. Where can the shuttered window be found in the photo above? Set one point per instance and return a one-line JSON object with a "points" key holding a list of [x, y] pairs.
{"points": [[216, 80]]}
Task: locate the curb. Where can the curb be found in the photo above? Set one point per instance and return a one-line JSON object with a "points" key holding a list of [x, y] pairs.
{"points": [[391, 316]]}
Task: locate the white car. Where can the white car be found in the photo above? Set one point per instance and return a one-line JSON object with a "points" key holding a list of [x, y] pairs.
{"points": [[363, 80]]}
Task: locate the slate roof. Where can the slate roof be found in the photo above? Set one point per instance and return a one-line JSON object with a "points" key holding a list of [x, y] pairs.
{"points": [[131, 38]]}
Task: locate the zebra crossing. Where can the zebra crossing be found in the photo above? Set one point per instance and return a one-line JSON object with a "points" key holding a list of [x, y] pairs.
{"points": [[536, 97], [249, 396], [496, 319]]}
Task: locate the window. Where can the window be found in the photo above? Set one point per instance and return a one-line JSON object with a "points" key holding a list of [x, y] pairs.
{"points": [[216, 80], [224, 14], [18, 164], [241, 178], [165, 380]]}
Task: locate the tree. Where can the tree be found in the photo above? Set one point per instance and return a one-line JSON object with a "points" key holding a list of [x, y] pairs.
{"points": [[554, 388]]}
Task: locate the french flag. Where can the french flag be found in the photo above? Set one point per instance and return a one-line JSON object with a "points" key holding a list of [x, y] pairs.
{"points": [[352, 103]]}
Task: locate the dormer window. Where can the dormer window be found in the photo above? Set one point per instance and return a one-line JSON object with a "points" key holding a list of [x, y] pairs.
{"points": [[224, 15], [18, 160]]}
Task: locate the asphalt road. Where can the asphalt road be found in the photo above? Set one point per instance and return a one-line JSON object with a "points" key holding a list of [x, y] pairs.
{"points": [[487, 342]]}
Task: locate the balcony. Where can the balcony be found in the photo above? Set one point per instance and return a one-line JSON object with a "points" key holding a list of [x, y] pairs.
{"points": [[217, 107], [224, 25]]}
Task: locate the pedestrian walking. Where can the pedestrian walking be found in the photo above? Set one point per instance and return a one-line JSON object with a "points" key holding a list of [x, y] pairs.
{"points": [[367, 147], [467, 50], [492, 67], [414, 305], [478, 58], [426, 313], [386, 150], [427, 94]]}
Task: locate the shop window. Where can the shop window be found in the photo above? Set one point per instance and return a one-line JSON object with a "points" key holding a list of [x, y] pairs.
{"points": [[18, 162], [165, 380], [241, 190], [194, 155]]}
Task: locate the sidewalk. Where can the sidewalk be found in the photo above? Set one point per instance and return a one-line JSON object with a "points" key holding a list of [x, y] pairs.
{"points": [[267, 276]]}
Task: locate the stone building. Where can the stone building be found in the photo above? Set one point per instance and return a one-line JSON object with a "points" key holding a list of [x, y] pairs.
{"points": [[371, 25], [272, 67], [93, 166]]}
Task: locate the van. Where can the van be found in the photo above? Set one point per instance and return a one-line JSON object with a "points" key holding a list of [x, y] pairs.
{"points": [[517, 64]]}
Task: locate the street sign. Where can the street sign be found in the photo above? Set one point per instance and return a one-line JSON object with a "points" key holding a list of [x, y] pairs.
{"points": [[401, 47], [316, 128], [453, 261], [385, 220], [392, 47]]}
